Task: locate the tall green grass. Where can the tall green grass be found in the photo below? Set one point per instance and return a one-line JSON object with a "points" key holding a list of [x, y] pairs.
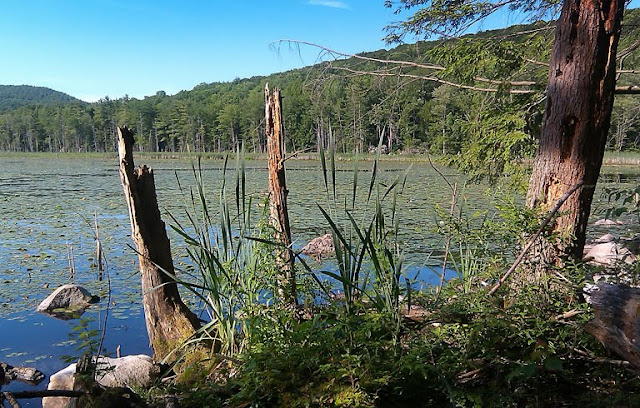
{"points": [[234, 271], [233, 274], [368, 258]]}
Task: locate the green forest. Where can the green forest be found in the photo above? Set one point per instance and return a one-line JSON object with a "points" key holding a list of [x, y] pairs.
{"points": [[354, 101]]}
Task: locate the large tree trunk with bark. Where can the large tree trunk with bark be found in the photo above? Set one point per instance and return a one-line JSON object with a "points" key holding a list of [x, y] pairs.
{"points": [[576, 120], [169, 321], [616, 323], [279, 213]]}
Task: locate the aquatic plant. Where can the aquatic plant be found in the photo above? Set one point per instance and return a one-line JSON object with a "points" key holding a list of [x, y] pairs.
{"points": [[233, 275]]}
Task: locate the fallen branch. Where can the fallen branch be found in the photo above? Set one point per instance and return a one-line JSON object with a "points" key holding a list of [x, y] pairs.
{"points": [[567, 315], [46, 393], [12, 401], [535, 237], [588, 357]]}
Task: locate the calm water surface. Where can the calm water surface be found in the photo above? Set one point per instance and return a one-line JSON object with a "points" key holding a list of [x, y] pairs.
{"points": [[47, 207]]}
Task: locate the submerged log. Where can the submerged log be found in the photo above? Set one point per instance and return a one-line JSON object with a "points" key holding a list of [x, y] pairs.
{"points": [[169, 321], [616, 323], [278, 194]]}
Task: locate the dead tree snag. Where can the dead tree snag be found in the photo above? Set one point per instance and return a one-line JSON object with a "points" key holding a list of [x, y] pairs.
{"points": [[278, 194], [169, 321]]}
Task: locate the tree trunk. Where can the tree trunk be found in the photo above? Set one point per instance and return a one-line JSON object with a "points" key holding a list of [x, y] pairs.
{"points": [[616, 323], [169, 321], [278, 194], [576, 120]]}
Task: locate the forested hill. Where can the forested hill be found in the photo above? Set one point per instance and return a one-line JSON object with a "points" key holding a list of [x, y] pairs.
{"points": [[15, 96], [479, 95]]}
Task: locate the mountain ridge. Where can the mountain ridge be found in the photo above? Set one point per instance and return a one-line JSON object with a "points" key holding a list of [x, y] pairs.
{"points": [[16, 96]]}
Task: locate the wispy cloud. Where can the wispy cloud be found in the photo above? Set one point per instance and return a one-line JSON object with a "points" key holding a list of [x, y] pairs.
{"points": [[329, 3]]}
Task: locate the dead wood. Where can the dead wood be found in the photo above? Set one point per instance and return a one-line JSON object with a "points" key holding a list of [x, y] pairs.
{"points": [[46, 393], [278, 194], [11, 400], [169, 321]]}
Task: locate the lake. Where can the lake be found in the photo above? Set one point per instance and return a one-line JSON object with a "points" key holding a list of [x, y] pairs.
{"points": [[48, 204]]}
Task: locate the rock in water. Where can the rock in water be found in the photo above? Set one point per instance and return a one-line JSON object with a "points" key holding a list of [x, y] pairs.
{"points": [[319, 247], [62, 380], [609, 253], [138, 370], [128, 371], [66, 297], [607, 222], [25, 374]]}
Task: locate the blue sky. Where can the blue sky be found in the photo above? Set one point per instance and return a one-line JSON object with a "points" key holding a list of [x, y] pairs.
{"points": [[94, 48]]}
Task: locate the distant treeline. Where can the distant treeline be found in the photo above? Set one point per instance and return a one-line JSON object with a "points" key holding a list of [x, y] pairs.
{"points": [[334, 102]]}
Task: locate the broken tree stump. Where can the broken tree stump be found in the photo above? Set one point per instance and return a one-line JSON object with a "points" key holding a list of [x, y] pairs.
{"points": [[617, 320], [279, 213], [169, 321]]}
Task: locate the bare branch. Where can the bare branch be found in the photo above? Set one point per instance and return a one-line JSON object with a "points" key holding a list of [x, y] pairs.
{"points": [[628, 90], [430, 78], [336, 55], [543, 64]]}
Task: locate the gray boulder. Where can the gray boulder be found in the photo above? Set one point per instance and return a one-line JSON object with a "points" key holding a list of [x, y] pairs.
{"points": [[62, 380], [608, 253], [128, 371], [138, 370], [66, 297]]}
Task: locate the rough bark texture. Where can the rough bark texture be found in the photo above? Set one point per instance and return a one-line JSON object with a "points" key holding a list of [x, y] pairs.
{"points": [[168, 320], [576, 120], [278, 193], [616, 322]]}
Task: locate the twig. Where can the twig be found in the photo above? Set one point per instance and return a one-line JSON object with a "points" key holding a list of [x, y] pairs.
{"points": [[430, 78], [439, 172], [11, 399], [98, 246], [71, 261], [294, 154], [336, 55], [448, 242], [567, 315], [623, 363], [468, 376], [533, 239]]}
